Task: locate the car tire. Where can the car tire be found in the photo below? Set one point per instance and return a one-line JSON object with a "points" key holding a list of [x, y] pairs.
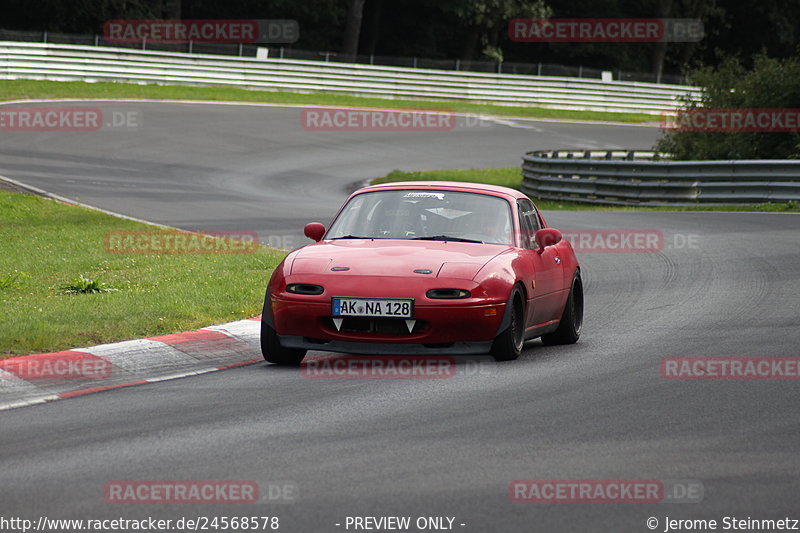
{"points": [[571, 323], [274, 353], [508, 345]]}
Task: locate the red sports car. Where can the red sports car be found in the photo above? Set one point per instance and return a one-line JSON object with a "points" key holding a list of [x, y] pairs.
{"points": [[425, 268]]}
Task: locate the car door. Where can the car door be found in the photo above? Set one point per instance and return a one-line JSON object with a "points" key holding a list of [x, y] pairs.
{"points": [[547, 273]]}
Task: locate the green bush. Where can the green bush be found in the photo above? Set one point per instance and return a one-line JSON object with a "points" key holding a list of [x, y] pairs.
{"points": [[771, 84]]}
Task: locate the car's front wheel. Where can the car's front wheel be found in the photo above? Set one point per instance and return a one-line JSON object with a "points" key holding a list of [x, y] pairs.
{"points": [[569, 328], [508, 345], [274, 353]]}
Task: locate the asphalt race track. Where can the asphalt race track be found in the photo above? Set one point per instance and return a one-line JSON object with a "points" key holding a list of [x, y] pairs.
{"points": [[255, 168], [723, 284]]}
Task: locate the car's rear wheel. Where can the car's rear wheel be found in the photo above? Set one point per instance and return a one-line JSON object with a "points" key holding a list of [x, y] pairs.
{"points": [[569, 328], [508, 345], [274, 353]]}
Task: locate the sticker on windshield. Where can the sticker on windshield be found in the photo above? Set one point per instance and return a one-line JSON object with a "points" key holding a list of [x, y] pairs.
{"points": [[447, 213], [437, 195]]}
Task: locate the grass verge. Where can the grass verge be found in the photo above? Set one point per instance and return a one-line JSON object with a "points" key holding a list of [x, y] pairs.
{"points": [[48, 248], [35, 89], [512, 177]]}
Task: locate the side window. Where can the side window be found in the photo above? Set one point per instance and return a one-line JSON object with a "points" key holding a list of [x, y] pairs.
{"points": [[529, 211], [535, 218], [528, 224]]}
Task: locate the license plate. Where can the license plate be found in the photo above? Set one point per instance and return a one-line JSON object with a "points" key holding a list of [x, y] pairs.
{"points": [[371, 307]]}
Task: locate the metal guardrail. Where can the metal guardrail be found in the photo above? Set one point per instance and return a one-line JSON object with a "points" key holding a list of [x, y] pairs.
{"points": [[291, 52], [616, 177], [88, 63]]}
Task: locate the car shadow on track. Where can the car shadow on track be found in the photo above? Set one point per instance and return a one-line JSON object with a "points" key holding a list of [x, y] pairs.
{"points": [[326, 365]]}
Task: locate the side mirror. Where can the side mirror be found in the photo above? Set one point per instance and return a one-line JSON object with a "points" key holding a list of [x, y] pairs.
{"points": [[314, 231], [547, 237]]}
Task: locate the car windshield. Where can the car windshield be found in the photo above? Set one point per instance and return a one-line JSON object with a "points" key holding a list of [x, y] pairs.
{"points": [[425, 215]]}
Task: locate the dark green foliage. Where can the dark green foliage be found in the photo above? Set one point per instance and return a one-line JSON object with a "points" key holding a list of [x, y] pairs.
{"points": [[770, 84]]}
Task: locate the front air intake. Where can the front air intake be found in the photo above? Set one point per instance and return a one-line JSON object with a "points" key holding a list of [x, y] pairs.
{"points": [[305, 288], [448, 294]]}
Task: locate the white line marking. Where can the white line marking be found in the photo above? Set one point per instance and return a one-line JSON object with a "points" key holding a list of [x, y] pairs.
{"points": [[182, 375], [24, 403]]}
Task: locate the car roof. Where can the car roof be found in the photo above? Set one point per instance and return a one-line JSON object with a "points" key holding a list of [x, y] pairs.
{"points": [[446, 185]]}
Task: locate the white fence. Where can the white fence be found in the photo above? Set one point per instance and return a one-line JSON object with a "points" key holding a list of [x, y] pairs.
{"points": [[19, 60]]}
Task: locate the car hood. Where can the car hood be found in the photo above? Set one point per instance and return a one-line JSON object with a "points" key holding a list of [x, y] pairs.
{"points": [[395, 258]]}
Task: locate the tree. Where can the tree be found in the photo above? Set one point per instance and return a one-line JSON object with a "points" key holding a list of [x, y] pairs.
{"points": [[487, 22], [772, 84], [705, 10], [352, 29]]}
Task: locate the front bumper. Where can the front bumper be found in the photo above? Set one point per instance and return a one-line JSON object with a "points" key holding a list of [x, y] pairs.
{"points": [[442, 325]]}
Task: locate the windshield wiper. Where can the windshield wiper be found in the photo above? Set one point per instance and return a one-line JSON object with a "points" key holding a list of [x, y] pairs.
{"points": [[445, 238], [352, 237]]}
